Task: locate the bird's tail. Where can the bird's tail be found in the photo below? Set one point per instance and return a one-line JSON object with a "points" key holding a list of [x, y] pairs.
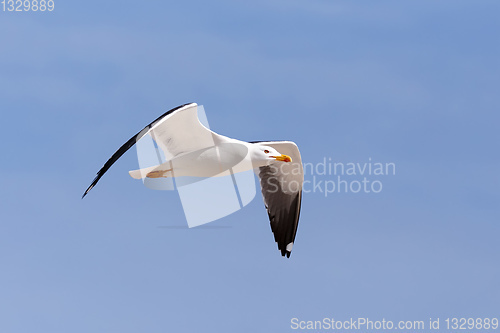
{"points": [[142, 173]]}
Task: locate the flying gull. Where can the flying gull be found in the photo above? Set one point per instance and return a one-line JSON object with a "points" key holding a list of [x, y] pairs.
{"points": [[187, 145]]}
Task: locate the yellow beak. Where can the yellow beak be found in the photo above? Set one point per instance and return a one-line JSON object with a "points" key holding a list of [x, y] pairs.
{"points": [[283, 158]]}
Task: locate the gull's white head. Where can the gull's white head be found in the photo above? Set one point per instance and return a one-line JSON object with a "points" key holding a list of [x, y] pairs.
{"points": [[264, 155]]}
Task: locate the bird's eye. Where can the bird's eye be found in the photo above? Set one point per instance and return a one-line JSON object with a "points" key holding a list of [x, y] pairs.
{"points": [[266, 151]]}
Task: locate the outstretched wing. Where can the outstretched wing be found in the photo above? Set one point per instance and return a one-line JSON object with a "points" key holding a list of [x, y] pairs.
{"points": [[176, 131], [281, 185]]}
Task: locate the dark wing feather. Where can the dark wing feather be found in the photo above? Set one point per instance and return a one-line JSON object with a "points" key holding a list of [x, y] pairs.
{"points": [[283, 209], [126, 146], [282, 193]]}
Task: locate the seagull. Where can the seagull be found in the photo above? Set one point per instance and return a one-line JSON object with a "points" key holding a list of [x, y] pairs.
{"points": [[188, 145]]}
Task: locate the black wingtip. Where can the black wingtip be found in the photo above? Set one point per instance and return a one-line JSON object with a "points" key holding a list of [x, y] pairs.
{"points": [[87, 191], [96, 179], [284, 252], [126, 146]]}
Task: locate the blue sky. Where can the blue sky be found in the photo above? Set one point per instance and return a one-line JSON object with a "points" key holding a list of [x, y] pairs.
{"points": [[414, 83]]}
